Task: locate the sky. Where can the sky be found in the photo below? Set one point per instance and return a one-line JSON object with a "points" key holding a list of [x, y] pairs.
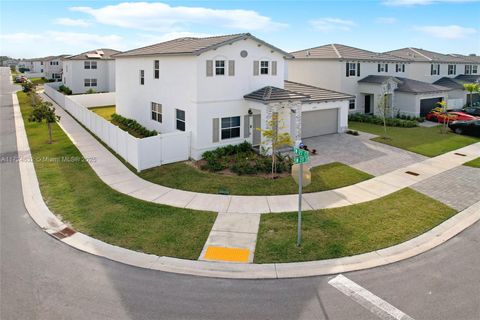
{"points": [[31, 29]]}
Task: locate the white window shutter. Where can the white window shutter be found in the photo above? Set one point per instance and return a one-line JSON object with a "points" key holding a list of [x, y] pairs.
{"points": [[274, 68], [231, 67], [209, 68], [255, 67], [216, 130]]}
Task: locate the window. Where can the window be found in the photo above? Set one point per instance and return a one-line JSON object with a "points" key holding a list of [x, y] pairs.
{"points": [[56, 76], [86, 65], [180, 114], [41, 70], [471, 69], [351, 69], [400, 67], [263, 67], [41, 63], [93, 64], [351, 104], [452, 69], [435, 69], [142, 77], [156, 69], [90, 82], [383, 67], [90, 64], [474, 69], [220, 67], [230, 128], [157, 112]]}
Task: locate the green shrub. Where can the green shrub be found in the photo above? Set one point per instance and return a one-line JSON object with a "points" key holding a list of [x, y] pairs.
{"points": [[132, 126], [400, 121], [27, 86], [64, 89], [90, 91]]}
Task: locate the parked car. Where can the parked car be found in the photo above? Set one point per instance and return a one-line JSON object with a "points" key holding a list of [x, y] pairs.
{"points": [[472, 111], [450, 116], [466, 127], [20, 79]]}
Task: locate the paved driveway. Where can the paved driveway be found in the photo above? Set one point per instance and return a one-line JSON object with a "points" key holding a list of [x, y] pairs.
{"points": [[360, 152]]}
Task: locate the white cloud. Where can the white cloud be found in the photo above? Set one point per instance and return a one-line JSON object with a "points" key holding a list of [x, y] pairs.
{"points": [[71, 22], [386, 20], [409, 3], [165, 18], [447, 32], [20, 37], [332, 24]]}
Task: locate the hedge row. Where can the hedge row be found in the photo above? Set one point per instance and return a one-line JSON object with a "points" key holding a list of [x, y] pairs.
{"points": [[391, 122], [132, 127]]}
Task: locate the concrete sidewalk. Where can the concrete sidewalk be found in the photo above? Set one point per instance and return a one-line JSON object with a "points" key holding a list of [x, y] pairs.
{"points": [[116, 175], [51, 224]]}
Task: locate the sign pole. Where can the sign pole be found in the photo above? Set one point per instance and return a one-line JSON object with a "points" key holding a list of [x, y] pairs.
{"points": [[300, 183]]}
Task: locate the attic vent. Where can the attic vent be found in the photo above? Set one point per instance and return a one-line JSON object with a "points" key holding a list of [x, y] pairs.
{"points": [[243, 53]]}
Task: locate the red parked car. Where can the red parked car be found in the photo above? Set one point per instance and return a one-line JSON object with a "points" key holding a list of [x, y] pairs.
{"points": [[450, 116]]}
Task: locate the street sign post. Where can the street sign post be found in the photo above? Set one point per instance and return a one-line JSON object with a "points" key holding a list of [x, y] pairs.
{"points": [[301, 157]]}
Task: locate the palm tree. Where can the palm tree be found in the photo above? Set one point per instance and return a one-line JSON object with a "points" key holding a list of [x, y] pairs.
{"points": [[471, 88]]}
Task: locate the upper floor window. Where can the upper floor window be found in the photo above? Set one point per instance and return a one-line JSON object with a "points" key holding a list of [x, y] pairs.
{"points": [[435, 69], [452, 69], [220, 67], [230, 127], [383, 67], [180, 117], [353, 69], [400, 67], [157, 112], [90, 64], [156, 69], [471, 69], [264, 67], [351, 104], [142, 77], [41, 63]]}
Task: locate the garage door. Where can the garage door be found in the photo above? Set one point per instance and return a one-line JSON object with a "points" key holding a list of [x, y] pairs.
{"points": [[317, 123], [426, 105], [476, 98]]}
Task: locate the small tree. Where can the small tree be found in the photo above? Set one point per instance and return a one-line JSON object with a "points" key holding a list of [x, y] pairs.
{"points": [[471, 88], [44, 110], [443, 110], [276, 139], [384, 110]]}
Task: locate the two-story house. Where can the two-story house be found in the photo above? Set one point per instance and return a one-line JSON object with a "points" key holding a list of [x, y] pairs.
{"points": [[38, 66], [368, 76], [221, 89], [93, 69], [53, 67]]}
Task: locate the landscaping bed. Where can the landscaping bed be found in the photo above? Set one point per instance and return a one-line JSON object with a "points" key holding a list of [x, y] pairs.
{"points": [[351, 230], [429, 142], [131, 126], [73, 191], [105, 112]]}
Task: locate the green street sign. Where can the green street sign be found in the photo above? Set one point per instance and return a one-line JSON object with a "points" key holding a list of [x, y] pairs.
{"points": [[302, 156], [300, 159]]}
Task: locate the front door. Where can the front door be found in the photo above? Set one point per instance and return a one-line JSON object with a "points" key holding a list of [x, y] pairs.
{"points": [[257, 134], [368, 103]]}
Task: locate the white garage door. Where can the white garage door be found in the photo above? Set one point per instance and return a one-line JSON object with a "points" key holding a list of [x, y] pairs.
{"points": [[319, 122]]}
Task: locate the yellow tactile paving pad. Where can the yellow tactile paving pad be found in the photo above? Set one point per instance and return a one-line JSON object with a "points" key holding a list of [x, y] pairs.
{"points": [[227, 254]]}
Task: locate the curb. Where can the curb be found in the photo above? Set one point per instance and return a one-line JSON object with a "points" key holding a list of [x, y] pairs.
{"points": [[40, 213]]}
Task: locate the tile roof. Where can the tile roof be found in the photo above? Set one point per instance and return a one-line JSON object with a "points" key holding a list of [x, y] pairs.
{"points": [[342, 52], [470, 58], [192, 46], [468, 77], [451, 83], [421, 55], [406, 85], [272, 94], [107, 55], [316, 93]]}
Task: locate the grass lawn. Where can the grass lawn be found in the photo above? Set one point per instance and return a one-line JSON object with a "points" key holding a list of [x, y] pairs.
{"points": [[104, 111], [73, 191], [38, 80], [474, 163], [339, 232], [185, 177], [426, 141]]}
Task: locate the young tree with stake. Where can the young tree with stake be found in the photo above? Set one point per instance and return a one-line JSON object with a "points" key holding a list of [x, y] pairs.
{"points": [[44, 110]]}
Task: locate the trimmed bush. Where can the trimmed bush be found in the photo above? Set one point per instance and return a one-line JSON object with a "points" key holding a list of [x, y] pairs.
{"points": [[64, 89], [132, 127], [391, 122]]}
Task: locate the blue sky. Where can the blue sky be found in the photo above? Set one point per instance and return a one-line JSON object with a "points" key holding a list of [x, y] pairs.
{"points": [[40, 28]]}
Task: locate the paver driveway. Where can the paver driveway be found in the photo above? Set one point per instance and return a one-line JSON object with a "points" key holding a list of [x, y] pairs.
{"points": [[360, 152]]}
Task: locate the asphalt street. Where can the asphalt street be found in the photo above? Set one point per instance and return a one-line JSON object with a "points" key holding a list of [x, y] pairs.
{"points": [[42, 278]]}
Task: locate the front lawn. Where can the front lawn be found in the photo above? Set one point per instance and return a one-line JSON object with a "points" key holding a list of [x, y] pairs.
{"points": [[105, 112], [474, 163], [351, 230], [38, 80], [73, 191], [186, 177], [426, 141]]}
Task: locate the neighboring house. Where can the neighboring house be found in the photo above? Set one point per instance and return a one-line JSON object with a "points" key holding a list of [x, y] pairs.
{"points": [[53, 67], [38, 66], [25, 64], [221, 89], [90, 70]]}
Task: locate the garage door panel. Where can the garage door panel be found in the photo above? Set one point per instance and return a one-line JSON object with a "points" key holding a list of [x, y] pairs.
{"points": [[426, 105], [319, 122]]}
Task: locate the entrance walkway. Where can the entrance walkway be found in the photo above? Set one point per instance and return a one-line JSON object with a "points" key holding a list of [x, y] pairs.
{"points": [[116, 175]]}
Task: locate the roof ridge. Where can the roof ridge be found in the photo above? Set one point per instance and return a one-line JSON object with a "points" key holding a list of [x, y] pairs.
{"points": [[336, 50], [414, 50]]}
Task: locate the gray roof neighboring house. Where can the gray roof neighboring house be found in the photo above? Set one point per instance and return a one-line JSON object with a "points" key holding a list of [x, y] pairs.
{"points": [[193, 46], [473, 58], [274, 94], [316, 94], [97, 54], [468, 78], [406, 85], [452, 83], [421, 55], [342, 52]]}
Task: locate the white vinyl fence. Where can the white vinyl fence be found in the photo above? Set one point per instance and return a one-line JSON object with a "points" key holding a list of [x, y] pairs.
{"points": [[140, 153]]}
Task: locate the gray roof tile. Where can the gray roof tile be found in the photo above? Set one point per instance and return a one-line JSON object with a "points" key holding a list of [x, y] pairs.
{"points": [[316, 93], [343, 52], [272, 94], [83, 56], [405, 84], [421, 55]]}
